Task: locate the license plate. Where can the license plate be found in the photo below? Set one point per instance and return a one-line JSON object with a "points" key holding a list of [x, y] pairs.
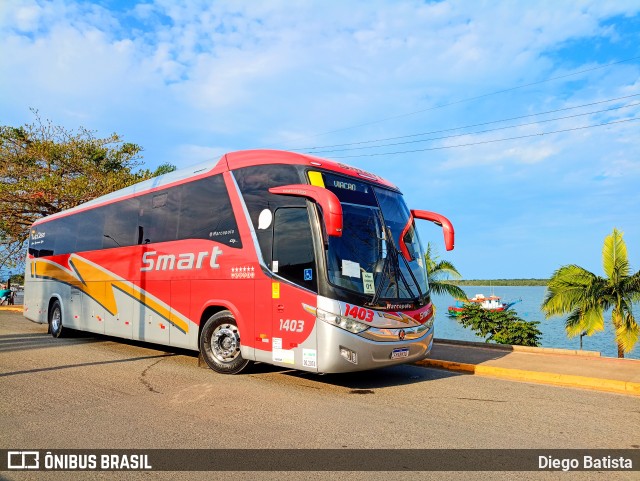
{"points": [[399, 353]]}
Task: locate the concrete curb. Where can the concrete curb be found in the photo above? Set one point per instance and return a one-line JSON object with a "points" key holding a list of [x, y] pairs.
{"points": [[507, 347], [566, 380], [11, 308]]}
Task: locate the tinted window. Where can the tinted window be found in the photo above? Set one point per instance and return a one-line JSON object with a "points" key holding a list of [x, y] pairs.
{"points": [[121, 223], [196, 210], [293, 256], [42, 239], [206, 212], [67, 234], [158, 216], [254, 183], [349, 190], [90, 228]]}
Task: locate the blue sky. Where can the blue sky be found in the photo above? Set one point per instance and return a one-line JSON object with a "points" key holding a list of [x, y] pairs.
{"points": [[190, 81]]}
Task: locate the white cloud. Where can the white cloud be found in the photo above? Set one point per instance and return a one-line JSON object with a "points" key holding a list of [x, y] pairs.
{"points": [[181, 78], [280, 60]]}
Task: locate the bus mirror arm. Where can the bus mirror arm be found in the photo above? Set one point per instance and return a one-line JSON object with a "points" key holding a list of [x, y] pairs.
{"points": [[437, 219], [331, 208]]}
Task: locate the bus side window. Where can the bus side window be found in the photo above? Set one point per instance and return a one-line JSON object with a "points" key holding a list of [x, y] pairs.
{"points": [[121, 223], [90, 228], [206, 212], [158, 216], [293, 247], [254, 183]]}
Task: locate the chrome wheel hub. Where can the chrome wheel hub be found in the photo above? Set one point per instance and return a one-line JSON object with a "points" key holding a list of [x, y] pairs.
{"points": [[56, 320], [225, 343]]}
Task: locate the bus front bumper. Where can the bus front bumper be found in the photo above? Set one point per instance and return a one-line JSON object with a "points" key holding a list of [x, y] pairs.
{"points": [[343, 351]]}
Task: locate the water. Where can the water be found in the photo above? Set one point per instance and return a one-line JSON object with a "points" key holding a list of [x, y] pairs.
{"points": [[553, 332]]}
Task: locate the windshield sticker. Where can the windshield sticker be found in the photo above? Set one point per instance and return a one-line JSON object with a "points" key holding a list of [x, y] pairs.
{"points": [[367, 282], [350, 268], [274, 266], [308, 274]]}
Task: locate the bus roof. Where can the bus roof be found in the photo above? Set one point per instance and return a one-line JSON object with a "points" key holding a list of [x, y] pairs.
{"points": [[228, 162]]}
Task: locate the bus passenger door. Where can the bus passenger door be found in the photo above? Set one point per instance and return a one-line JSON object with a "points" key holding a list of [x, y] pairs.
{"points": [[294, 335]]}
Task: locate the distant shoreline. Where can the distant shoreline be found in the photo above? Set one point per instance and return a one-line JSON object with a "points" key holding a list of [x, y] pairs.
{"points": [[499, 282]]}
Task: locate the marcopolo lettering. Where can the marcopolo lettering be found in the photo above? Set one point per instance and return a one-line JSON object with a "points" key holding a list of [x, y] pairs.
{"points": [[185, 261]]}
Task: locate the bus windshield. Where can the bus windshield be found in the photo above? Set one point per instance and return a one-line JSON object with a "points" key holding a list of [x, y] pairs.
{"points": [[367, 257]]}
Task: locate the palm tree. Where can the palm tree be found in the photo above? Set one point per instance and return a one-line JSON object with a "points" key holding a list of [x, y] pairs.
{"points": [[439, 270], [586, 296]]}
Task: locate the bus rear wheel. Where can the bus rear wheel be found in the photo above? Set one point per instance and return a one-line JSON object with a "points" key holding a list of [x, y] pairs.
{"points": [[220, 344], [55, 320]]}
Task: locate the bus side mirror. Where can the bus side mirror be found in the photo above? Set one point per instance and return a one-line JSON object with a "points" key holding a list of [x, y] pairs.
{"points": [[447, 227], [331, 208]]}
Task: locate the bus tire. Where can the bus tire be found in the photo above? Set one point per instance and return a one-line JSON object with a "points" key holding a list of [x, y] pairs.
{"points": [[55, 320], [220, 344]]}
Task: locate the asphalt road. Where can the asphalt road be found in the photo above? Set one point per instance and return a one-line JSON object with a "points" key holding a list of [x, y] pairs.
{"points": [[101, 392]]}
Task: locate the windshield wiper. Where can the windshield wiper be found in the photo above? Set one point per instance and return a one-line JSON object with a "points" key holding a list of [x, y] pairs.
{"points": [[396, 255], [413, 277], [391, 262]]}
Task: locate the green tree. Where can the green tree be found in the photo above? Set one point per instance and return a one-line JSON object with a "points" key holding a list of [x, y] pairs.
{"points": [[501, 327], [160, 170], [45, 168], [438, 271], [585, 296]]}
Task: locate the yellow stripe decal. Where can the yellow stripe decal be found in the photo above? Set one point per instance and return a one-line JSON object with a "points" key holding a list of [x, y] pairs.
{"points": [[98, 291]]}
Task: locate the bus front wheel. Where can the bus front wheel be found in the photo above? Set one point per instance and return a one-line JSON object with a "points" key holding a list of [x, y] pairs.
{"points": [[55, 320], [220, 344]]}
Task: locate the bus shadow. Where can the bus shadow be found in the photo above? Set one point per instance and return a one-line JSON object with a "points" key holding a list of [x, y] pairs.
{"points": [[82, 364], [361, 382], [364, 382], [29, 341]]}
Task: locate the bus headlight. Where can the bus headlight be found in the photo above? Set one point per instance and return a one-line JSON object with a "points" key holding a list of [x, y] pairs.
{"points": [[341, 322]]}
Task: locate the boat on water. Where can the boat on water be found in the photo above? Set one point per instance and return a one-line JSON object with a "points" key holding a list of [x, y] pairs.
{"points": [[491, 303]]}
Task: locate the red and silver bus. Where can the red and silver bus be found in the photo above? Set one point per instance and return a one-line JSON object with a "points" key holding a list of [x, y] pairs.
{"points": [[263, 256]]}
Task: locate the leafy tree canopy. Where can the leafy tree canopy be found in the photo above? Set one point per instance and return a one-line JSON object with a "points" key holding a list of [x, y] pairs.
{"points": [[45, 168], [501, 327], [585, 296], [438, 273]]}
